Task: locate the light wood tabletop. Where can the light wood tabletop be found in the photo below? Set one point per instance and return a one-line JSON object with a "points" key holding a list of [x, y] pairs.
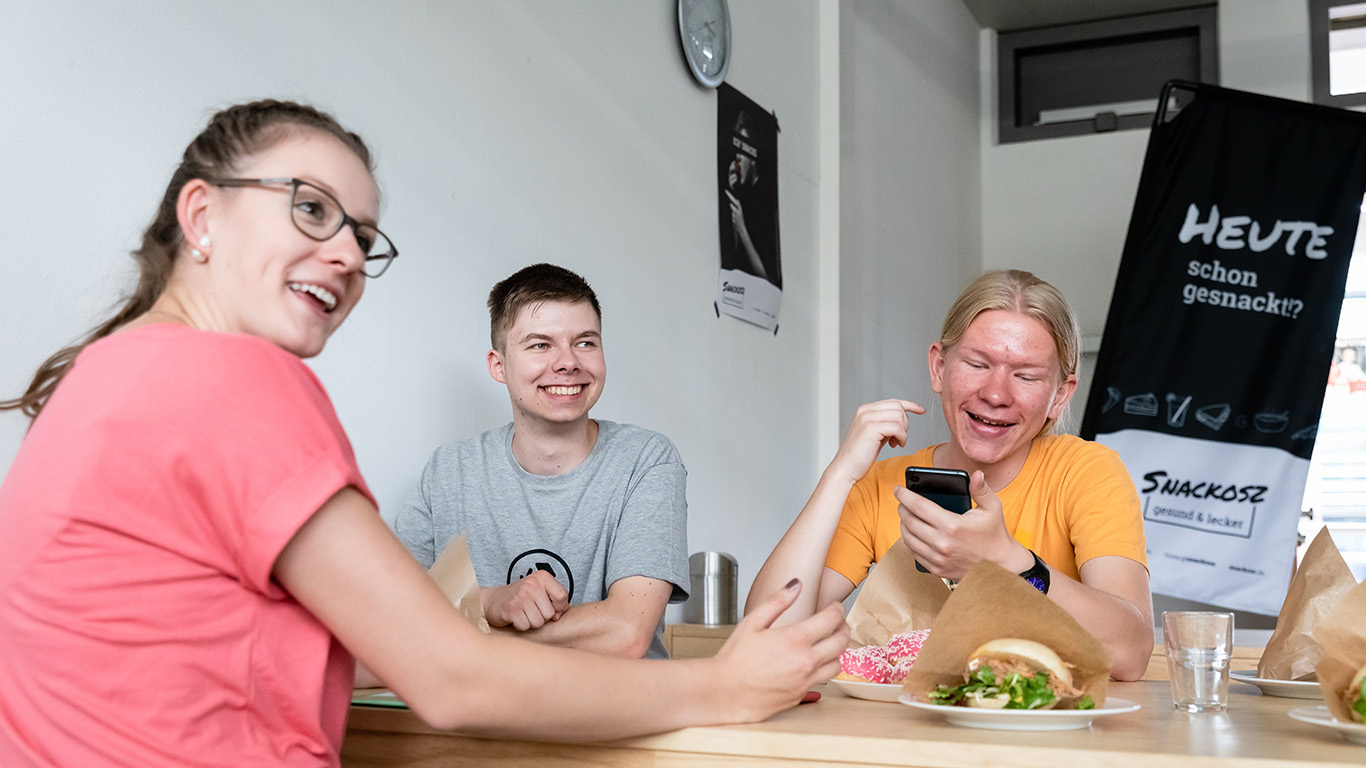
{"points": [[1256, 732]]}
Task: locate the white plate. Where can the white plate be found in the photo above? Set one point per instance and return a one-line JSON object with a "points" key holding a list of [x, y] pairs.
{"points": [[1290, 689], [869, 691], [1024, 719], [1353, 732]]}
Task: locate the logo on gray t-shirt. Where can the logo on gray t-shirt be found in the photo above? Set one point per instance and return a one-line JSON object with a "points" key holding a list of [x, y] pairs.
{"points": [[534, 560]]}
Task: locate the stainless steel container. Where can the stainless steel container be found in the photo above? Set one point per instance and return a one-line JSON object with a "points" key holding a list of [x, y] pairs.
{"points": [[712, 598]]}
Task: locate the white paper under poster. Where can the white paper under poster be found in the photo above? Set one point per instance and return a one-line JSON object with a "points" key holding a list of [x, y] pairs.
{"points": [[748, 297]]}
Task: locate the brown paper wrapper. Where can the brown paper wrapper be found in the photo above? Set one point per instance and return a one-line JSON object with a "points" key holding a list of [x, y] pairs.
{"points": [[453, 572], [990, 603], [1319, 584], [895, 598], [1342, 634]]}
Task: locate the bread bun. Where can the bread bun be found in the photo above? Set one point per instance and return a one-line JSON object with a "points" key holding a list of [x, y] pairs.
{"points": [[1009, 655], [1011, 651]]}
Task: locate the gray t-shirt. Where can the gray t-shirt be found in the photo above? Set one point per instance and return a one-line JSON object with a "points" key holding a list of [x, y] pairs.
{"points": [[622, 512]]}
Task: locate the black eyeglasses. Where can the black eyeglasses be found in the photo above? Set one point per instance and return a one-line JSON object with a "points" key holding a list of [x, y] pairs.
{"points": [[318, 215]]}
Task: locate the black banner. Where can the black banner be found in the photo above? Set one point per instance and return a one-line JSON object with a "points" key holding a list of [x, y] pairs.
{"points": [[1222, 326]]}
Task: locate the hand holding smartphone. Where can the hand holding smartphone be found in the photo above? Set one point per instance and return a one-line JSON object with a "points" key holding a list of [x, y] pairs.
{"points": [[946, 487]]}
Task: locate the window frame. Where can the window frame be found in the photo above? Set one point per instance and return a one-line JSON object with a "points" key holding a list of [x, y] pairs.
{"points": [[1107, 32], [1320, 75]]}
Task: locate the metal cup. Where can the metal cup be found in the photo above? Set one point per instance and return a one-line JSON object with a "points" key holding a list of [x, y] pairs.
{"points": [[712, 585]]}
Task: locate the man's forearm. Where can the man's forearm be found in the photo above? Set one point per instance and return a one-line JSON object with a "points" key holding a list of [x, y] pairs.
{"points": [[596, 627], [622, 625]]}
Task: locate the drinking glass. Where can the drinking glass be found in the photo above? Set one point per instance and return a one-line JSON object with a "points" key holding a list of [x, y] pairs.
{"points": [[1199, 645]]}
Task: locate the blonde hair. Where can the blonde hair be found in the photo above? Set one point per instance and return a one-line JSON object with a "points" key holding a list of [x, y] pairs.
{"points": [[1015, 290]]}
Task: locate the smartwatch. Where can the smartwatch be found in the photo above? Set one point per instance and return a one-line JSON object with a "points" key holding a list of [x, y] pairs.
{"points": [[1037, 575]]}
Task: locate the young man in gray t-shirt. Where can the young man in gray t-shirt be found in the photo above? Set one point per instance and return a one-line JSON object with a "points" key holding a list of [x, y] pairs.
{"points": [[577, 527]]}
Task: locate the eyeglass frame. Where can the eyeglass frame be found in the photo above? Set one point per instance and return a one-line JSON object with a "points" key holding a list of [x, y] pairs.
{"points": [[294, 184]]}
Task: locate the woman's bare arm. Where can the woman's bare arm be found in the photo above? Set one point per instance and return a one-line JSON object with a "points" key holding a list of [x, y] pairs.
{"points": [[347, 568]]}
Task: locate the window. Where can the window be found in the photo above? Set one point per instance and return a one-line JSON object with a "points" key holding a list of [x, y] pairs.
{"points": [[1336, 489], [1337, 46], [1099, 75]]}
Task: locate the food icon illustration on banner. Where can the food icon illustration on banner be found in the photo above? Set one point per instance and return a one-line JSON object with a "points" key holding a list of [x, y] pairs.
{"points": [[1176, 409], [1213, 416]]}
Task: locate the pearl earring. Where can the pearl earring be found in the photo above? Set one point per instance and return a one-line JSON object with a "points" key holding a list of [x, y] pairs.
{"points": [[197, 254]]}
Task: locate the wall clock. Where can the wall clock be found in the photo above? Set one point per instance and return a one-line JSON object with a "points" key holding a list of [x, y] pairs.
{"points": [[704, 27]]}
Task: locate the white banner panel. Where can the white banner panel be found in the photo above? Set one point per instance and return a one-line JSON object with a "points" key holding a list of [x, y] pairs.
{"points": [[1220, 518]]}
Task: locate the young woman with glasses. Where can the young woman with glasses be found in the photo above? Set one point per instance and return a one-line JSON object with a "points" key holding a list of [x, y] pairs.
{"points": [[189, 556]]}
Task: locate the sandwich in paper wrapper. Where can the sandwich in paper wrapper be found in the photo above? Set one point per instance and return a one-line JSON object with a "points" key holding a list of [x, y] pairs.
{"points": [[453, 572], [1321, 581], [1343, 636], [992, 604]]}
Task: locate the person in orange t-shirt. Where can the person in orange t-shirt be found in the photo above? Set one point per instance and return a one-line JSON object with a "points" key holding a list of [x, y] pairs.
{"points": [[1066, 516]]}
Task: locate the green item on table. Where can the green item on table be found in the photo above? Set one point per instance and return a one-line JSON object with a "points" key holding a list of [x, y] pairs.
{"points": [[1017, 690]]}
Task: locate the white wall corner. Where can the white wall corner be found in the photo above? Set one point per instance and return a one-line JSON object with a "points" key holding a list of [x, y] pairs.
{"points": [[828, 238], [986, 91]]}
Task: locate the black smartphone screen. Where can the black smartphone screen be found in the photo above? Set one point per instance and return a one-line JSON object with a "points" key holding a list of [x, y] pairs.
{"points": [[946, 487]]}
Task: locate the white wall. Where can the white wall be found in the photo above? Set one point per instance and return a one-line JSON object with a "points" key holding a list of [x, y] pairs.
{"points": [[910, 231], [505, 133], [1060, 207]]}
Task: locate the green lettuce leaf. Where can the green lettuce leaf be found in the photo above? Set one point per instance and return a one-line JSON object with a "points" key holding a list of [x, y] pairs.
{"points": [[1024, 691]]}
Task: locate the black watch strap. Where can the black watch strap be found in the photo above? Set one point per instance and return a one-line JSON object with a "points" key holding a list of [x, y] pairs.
{"points": [[1037, 575]]}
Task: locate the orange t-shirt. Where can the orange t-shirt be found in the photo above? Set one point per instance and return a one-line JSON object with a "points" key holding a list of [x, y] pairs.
{"points": [[1073, 500]]}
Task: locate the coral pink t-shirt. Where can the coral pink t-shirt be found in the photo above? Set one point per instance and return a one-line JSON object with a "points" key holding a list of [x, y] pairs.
{"points": [[139, 524]]}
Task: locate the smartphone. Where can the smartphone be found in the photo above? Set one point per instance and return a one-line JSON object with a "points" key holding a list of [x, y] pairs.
{"points": [[946, 487]]}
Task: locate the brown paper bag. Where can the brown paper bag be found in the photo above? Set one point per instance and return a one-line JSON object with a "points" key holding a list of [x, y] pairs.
{"points": [[1343, 636], [895, 598], [453, 571], [991, 603], [1319, 584]]}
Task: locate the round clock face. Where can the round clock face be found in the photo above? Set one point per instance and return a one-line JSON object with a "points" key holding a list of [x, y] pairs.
{"points": [[704, 26]]}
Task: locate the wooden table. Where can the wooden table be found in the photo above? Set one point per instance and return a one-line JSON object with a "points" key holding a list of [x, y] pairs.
{"points": [[695, 641], [839, 731]]}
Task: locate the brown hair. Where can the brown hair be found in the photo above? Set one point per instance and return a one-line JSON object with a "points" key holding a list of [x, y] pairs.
{"points": [[1015, 290], [535, 284], [232, 135]]}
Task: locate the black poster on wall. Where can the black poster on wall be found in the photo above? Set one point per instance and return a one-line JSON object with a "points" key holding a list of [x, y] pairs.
{"points": [[1211, 373], [749, 283]]}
